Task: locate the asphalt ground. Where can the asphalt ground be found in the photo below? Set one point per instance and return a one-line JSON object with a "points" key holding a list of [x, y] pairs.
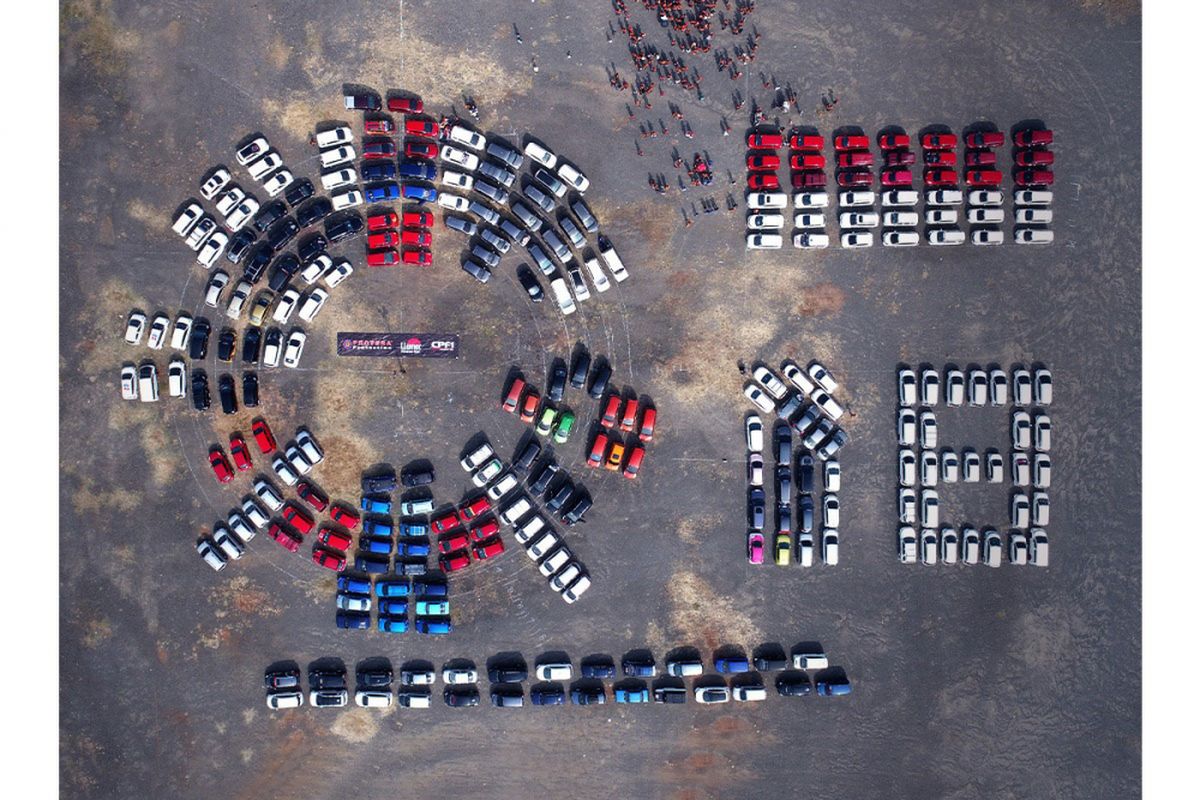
{"points": [[968, 682]]}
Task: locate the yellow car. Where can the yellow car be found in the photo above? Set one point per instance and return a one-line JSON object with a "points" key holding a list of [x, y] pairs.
{"points": [[615, 457], [783, 550], [258, 311]]}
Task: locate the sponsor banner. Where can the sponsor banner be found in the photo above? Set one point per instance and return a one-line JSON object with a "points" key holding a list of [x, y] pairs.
{"points": [[398, 345]]}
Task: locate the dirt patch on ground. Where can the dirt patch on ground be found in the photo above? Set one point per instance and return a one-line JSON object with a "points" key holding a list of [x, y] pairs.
{"points": [[358, 725], [710, 759], [296, 115], [1114, 11], [700, 614], [102, 348], [279, 53], [644, 221], [89, 28], [239, 596], [96, 633], [90, 499], [162, 454], [691, 530], [821, 300]]}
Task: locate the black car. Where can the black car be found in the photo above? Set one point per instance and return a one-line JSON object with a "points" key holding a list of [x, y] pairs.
{"points": [[804, 474], [783, 446], [477, 271], [806, 513], [560, 495], [461, 696], [509, 696], [376, 565], [226, 390], [574, 514], [530, 283], [558, 380], [311, 246], [588, 697], [380, 483], [327, 678], [598, 668], [239, 245], [550, 695], [363, 102], [793, 684], [638, 667], [538, 484], [298, 191], [670, 694], [378, 171], [769, 664], [226, 344], [508, 673], [757, 508], [269, 215], [528, 456], [282, 679], [200, 400], [600, 378], [250, 389], [198, 343], [417, 477], [343, 227], [461, 224], [256, 265], [314, 211], [374, 678], [282, 271], [251, 342], [282, 232], [583, 362], [353, 620]]}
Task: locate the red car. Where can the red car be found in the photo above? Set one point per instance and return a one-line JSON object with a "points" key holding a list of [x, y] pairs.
{"points": [[296, 516], [984, 139], [982, 158], [940, 158], [335, 539], [381, 125], [416, 126], [855, 177], [899, 158], [284, 537], [415, 237], [939, 141], [1035, 177], [763, 180], [312, 495], [448, 544], [418, 219], [629, 418], [382, 222], [984, 177], [379, 148], [599, 445], [446, 522], [941, 177], [808, 179], [485, 530], [529, 405], [635, 462], [241, 456], [382, 240], [649, 417], [896, 177], [489, 549], [453, 562], [220, 465], [513, 395], [263, 436], [762, 161], [328, 560], [383, 258], [420, 150], [807, 161], [893, 141], [806, 142], [851, 143], [477, 507], [409, 105], [609, 418], [764, 141], [855, 158], [1033, 138], [422, 258], [344, 516], [1034, 158]]}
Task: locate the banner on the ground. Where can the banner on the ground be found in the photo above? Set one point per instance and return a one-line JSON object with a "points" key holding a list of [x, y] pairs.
{"points": [[398, 345]]}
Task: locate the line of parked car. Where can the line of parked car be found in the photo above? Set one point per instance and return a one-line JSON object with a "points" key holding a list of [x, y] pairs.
{"points": [[921, 464]]}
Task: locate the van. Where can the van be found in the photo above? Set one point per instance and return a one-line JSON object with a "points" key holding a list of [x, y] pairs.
{"points": [[555, 561], [576, 589], [562, 295], [613, 261], [148, 383], [515, 510], [810, 661], [749, 694], [488, 215], [531, 221], [1039, 548], [529, 528]]}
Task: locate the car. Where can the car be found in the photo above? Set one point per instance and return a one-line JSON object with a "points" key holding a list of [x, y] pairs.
{"points": [[856, 239], [1034, 177], [899, 158], [759, 397], [294, 349], [940, 158], [851, 142], [711, 694], [762, 180], [855, 177], [1018, 548], [938, 177], [768, 200], [858, 219], [981, 158], [1033, 138], [762, 140]]}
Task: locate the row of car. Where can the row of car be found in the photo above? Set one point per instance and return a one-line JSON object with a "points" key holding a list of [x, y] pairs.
{"points": [[977, 386], [972, 547], [761, 165], [927, 467], [814, 422], [1031, 152], [427, 595]]}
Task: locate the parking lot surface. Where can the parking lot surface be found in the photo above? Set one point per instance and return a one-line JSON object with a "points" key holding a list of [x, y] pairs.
{"points": [[968, 682]]}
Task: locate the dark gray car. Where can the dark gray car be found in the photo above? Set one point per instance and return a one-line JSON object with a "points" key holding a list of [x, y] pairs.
{"points": [[547, 179], [557, 245], [477, 271], [488, 215], [493, 193], [758, 508], [512, 231], [539, 197], [498, 173], [461, 224], [531, 221], [506, 154], [541, 259]]}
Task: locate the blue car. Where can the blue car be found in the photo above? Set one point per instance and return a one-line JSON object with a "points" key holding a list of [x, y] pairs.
{"points": [[429, 589], [732, 665], [382, 192], [835, 687], [421, 193], [376, 505], [372, 564], [415, 549], [393, 608], [373, 527], [641, 695], [353, 620], [378, 171], [436, 627], [353, 585], [414, 529], [371, 544], [420, 170], [433, 608], [391, 589], [389, 625], [598, 670], [547, 697], [640, 669]]}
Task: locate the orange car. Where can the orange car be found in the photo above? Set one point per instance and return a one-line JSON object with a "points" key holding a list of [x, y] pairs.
{"points": [[615, 457], [529, 405]]}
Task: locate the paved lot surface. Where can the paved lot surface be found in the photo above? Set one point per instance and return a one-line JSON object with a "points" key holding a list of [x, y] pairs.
{"points": [[1006, 683]]}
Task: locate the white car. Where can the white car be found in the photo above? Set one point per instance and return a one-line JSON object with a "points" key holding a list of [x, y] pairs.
{"points": [[852, 199], [906, 426], [998, 386], [944, 197], [907, 544], [763, 241], [858, 219], [488, 472], [255, 513], [242, 214], [562, 295], [900, 198], [804, 220], [1021, 430], [987, 236], [576, 589], [1033, 197], [759, 397], [177, 377], [541, 155], [900, 219], [503, 486], [830, 511], [708, 695], [216, 285], [929, 468], [460, 157], [1033, 216], [929, 431], [944, 236], [949, 546], [459, 676], [770, 382], [900, 239], [373, 698], [1039, 548], [542, 546], [216, 182], [260, 168], [929, 508], [1033, 236], [278, 182], [970, 546], [267, 492], [1019, 468], [336, 156], [956, 386], [985, 216], [272, 350], [299, 462], [929, 542], [229, 200], [1041, 433], [458, 180], [970, 466], [335, 137], [1041, 508], [252, 151], [995, 467], [827, 404], [285, 305], [554, 671], [986, 197], [759, 222], [308, 445], [811, 199], [135, 328], [1019, 513], [993, 547], [201, 232], [823, 377], [312, 304], [907, 463], [338, 178], [931, 386], [315, 269], [285, 471], [337, 273], [798, 377], [941, 216], [529, 528], [908, 505], [1041, 470], [573, 177], [766, 200], [1043, 388], [238, 299], [295, 346], [804, 549], [977, 388], [906, 381], [129, 382], [597, 275], [833, 476], [181, 331], [465, 136], [754, 433], [1022, 383], [453, 202], [214, 557], [475, 459], [829, 547], [1018, 548], [810, 241], [212, 248], [856, 239], [348, 199], [949, 466]]}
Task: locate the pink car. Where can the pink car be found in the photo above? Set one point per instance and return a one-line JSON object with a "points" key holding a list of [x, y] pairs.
{"points": [[754, 547]]}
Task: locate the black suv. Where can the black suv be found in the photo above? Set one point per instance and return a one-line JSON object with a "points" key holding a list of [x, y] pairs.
{"points": [[239, 245], [528, 456], [251, 342], [314, 212], [382, 483], [299, 191], [417, 477], [599, 382], [538, 484], [198, 345], [575, 513], [282, 271], [226, 389], [558, 381], [530, 283], [256, 265], [282, 232], [343, 227], [250, 390], [200, 399], [583, 362], [269, 215]]}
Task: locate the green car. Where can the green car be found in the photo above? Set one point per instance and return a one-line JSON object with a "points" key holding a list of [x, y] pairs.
{"points": [[433, 608], [562, 431], [546, 421]]}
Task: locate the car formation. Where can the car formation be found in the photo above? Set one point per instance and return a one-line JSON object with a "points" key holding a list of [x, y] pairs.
{"points": [[924, 535]]}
